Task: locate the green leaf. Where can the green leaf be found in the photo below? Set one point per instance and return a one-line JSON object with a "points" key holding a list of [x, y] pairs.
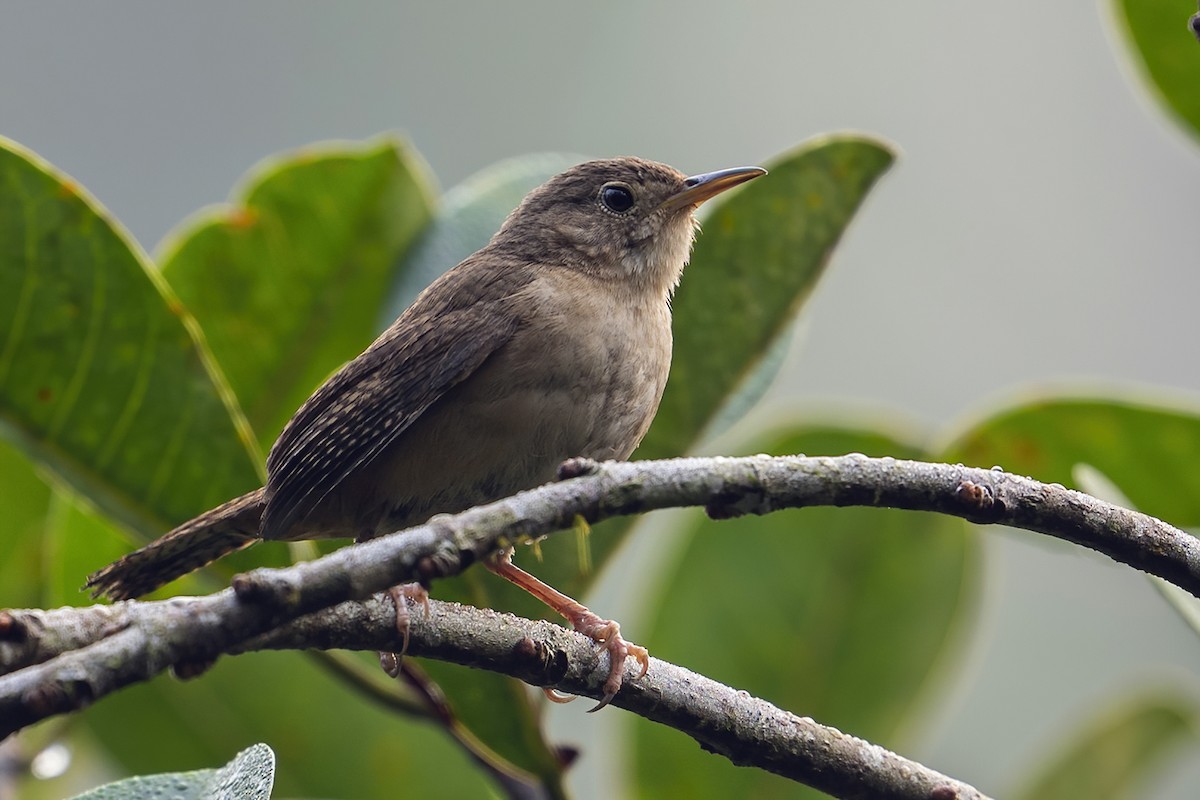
{"points": [[1113, 755], [249, 776], [842, 614], [758, 258], [76, 541], [1166, 53], [102, 376], [1133, 442], [25, 499], [288, 278]]}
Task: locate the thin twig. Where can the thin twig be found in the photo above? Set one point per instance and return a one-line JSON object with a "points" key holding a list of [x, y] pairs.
{"points": [[378, 688]]}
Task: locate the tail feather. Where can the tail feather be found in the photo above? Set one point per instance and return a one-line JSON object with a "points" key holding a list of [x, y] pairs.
{"points": [[189, 547]]}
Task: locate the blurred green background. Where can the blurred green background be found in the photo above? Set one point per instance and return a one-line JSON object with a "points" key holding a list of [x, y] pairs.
{"points": [[1036, 227]]}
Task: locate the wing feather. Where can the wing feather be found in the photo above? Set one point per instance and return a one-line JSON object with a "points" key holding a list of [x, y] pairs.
{"points": [[435, 345]]}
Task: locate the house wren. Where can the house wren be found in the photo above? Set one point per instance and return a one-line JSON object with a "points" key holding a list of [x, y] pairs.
{"points": [[553, 341]]}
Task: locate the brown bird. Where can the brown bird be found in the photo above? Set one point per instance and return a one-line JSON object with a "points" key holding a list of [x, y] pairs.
{"points": [[553, 341]]}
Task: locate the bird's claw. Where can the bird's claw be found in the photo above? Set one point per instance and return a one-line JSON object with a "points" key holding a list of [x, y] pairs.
{"points": [[555, 696], [608, 633], [401, 596]]}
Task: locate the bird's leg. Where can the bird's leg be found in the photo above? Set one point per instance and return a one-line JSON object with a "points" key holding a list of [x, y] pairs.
{"points": [[601, 631], [402, 595]]}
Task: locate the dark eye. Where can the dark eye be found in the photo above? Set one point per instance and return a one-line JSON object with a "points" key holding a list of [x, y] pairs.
{"points": [[616, 197]]}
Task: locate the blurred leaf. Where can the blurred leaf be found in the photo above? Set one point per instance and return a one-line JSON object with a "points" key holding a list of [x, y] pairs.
{"points": [[1097, 484], [249, 776], [287, 280], [842, 614], [76, 540], [1112, 756], [101, 378], [25, 499], [761, 252], [504, 713], [327, 740], [1134, 443], [1185, 604], [1166, 53]]}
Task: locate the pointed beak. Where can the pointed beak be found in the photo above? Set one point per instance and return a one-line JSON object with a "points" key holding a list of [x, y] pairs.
{"points": [[699, 188]]}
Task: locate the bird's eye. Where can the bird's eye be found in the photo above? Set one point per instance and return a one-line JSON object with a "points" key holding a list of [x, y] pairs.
{"points": [[616, 197]]}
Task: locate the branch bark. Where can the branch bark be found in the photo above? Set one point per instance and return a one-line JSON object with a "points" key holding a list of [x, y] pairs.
{"points": [[745, 729], [52, 662]]}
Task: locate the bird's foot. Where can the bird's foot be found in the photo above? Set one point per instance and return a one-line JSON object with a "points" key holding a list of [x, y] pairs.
{"points": [[601, 631], [401, 596], [608, 633]]}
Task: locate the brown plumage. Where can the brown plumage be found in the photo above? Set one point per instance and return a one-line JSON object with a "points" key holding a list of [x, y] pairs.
{"points": [[553, 341]]}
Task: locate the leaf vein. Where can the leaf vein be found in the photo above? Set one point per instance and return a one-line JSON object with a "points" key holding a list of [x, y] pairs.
{"points": [[87, 357]]}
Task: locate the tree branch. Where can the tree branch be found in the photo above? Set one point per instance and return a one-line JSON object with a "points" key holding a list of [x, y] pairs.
{"points": [[59, 661], [746, 730]]}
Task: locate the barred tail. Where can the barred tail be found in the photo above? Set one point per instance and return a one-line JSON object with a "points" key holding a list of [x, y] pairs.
{"points": [[189, 547]]}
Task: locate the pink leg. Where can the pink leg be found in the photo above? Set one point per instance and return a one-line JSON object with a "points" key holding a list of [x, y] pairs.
{"points": [[601, 631]]}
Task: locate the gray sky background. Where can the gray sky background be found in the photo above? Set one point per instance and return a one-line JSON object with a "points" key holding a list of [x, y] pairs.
{"points": [[1035, 227]]}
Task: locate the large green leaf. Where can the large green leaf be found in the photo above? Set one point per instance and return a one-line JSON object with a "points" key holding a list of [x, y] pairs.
{"points": [[1166, 53], [77, 540], [287, 280], [756, 261], [842, 614], [1133, 442], [1111, 756], [102, 375]]}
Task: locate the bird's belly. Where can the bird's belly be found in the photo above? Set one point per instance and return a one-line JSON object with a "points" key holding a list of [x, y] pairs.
{"points": [[505, 429]]}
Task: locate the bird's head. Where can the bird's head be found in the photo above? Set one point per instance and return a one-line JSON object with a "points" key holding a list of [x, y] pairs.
{"points": [[626, 219]]}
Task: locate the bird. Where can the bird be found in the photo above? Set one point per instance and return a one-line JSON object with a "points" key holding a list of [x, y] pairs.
{"points": [[551, 342]]}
